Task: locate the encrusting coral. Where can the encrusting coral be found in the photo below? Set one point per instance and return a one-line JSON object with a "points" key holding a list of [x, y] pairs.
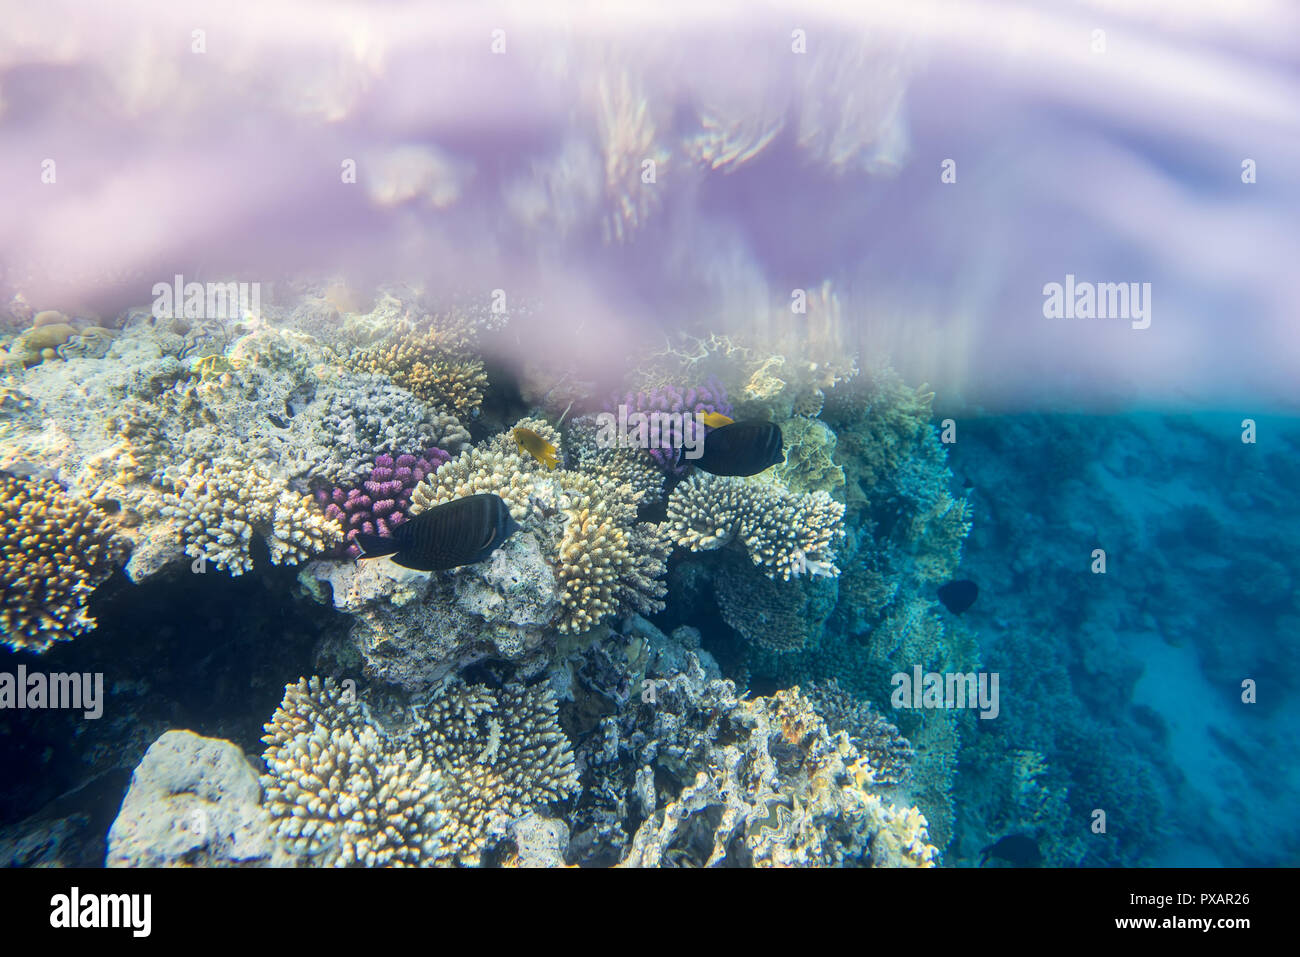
{"points": [[788, 534], [342, 790], [57, 549]]}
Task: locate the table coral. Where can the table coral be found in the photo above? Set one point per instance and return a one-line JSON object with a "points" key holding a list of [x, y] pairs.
{"points": [[788, 534], [57, 549]]}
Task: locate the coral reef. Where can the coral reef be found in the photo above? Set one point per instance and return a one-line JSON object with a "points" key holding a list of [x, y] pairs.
{"points": [[788, 534], [716, 780], [365, 415], [380, 504], [631, 467], [343, 790], [57, 549], [217, 507], [419, 360], [604, 559], [889, 753]]}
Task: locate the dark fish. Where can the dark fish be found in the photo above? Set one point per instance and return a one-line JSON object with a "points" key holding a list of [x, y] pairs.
{"points": [[742, 448], [1018, 849], [458, 533], [277, 421], [959, 595]]}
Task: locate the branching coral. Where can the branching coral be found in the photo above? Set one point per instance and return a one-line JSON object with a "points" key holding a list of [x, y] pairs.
{"points": [[217, 508], [606, 561], [338, 794], [633, 467], [603, 558], [418, 361], [365, 416], [787, 533], [381, 503], [674, 408], [343, 790], [496, 466], [57, 549], [501, 753]]}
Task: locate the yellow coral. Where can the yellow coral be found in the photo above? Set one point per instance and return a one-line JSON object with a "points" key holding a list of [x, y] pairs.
{"points": [[57, 550]]}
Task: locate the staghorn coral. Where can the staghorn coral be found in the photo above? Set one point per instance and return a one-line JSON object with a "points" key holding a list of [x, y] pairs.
{"points": [[217, 507], [343, 790], [786, 533], [57, 549], [338, 794], [419, 362]]}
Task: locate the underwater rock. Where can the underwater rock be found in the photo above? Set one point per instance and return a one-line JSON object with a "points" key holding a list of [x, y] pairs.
{"points": [[414, 628], [193, 802]]}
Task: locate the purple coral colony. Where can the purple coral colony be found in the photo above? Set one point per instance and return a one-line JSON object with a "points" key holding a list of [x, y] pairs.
{"points": [[379, 506]]}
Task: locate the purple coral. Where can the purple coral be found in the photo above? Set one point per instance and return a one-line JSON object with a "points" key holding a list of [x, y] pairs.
{"points": [[379, 505], [709, 397]]}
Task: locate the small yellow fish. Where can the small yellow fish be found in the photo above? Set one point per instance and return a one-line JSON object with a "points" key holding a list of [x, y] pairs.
{"points": [[715, 420], [536, 446]]}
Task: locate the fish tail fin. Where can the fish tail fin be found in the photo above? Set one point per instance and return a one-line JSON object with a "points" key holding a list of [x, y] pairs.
{"points": [[374, 546]]}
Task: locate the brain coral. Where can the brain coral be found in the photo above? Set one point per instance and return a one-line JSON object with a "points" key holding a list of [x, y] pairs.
{"points": [[57, 549], [787, 533], [342, 790]]}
